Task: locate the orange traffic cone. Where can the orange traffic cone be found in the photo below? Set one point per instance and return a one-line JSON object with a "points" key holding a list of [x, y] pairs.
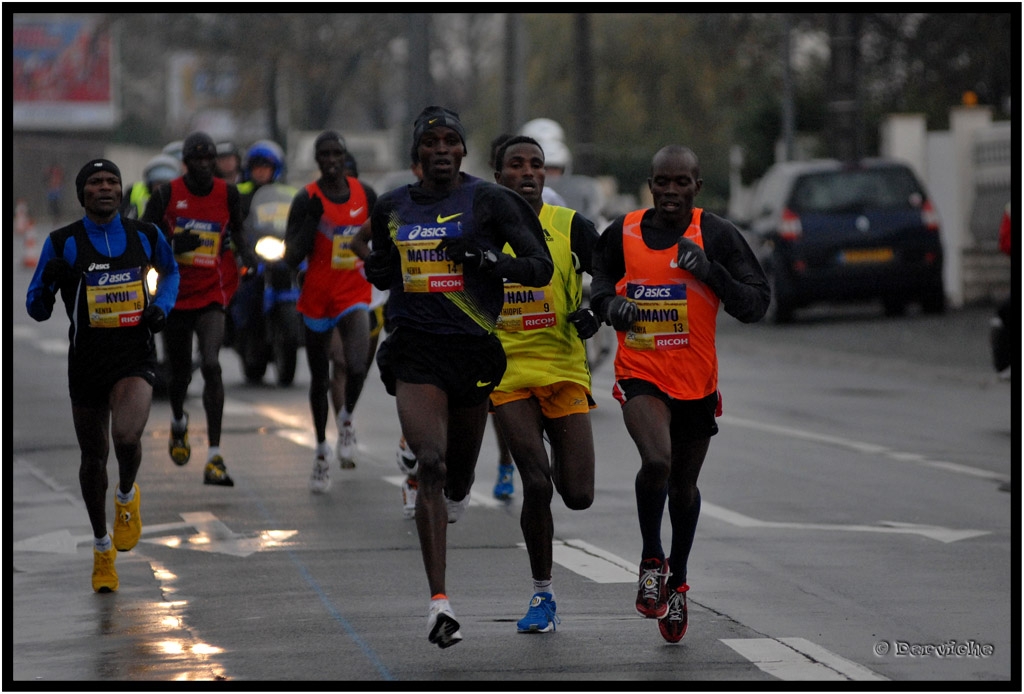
{"points": [[30, 249], [26, 228]]}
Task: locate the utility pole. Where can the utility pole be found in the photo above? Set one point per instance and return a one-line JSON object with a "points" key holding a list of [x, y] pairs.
{"points": [[514, 112], [788, 109], [586, 159], [844, 109], [419, 84]]}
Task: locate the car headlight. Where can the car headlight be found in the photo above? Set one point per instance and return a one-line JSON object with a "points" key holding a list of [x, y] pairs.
{"points": [[270, 248]]}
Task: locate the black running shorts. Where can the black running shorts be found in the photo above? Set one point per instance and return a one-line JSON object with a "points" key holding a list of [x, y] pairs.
{"points": [[691, 419], [466, 367], [90, 385]]}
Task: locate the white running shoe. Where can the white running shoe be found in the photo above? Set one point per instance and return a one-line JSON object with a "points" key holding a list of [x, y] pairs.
{"points": [[409, 489], [407, 462], [320, 480], [346, 450], [456, 508], [442, 627]]}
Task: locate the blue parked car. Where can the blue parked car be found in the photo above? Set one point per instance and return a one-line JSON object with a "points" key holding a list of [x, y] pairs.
{"points": [[834, 232]]}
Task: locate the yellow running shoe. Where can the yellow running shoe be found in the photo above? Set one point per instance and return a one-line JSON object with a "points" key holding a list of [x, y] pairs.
{"points": [[217, 473], [179, 447], [104, 575], [127, 522]]}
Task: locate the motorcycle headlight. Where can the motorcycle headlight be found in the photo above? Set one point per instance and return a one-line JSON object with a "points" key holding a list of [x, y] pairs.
{"points": [[151, 278], [270, 248]]}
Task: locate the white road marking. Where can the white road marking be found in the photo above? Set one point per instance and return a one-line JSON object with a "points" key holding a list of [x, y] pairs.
{"points": [[796, 659], [591, 562], [864, 447], [934, 532], [211, 535]]}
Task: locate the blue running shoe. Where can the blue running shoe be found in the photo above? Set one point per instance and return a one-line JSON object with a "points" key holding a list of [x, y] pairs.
{"points": [[504, 488], [541, 616]]}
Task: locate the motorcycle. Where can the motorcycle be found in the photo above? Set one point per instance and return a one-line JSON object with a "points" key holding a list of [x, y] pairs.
{"points": [[265, 324]]}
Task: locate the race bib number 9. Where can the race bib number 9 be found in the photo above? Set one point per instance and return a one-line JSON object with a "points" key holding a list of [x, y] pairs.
{"points": [[115, 298], [662, 322], [342, 255], [526, 308], [208, 253], [424, 268]]}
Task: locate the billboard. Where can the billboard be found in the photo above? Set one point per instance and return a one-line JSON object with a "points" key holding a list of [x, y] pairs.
{"points": [[64, 74]]}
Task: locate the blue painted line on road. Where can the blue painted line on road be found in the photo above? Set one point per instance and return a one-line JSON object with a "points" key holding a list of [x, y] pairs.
{"points": [[332, 609]]}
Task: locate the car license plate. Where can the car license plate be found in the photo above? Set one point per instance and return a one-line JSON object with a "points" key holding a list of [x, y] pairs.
{"points": [[866, 255]]}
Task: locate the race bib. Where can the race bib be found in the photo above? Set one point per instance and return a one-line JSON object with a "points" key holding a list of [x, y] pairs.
{"points": [[424, 268], [208, 253], [342, 255], [115, 298], [526, 308], [662, 322]]}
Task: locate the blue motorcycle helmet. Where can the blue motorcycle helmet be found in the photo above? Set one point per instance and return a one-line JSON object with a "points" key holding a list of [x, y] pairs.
{"points": [[267, 152]]}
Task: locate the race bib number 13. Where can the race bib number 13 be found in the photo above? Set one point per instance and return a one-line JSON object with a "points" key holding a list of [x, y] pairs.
{"points": [[662, 322]]}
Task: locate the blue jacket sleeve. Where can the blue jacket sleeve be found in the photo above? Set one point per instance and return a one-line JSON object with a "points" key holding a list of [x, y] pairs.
{"points": [[40, 299], [167, 268]]}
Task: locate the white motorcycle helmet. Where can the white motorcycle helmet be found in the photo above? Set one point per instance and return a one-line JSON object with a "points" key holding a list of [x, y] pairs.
{"points": [[161, 169], [556, 155], [542, 130]]}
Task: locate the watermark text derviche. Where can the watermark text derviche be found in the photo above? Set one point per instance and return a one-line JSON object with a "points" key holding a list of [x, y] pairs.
{"points": [[945, 649]]}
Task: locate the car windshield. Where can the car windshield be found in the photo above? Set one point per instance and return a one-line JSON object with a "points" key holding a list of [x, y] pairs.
{"points": [[855, 191]]}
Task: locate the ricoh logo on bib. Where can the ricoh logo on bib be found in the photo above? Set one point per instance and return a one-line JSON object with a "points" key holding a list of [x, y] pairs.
{"points": [[446, 283]]}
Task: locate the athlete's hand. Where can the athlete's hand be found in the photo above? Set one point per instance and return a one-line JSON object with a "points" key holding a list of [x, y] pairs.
{"points": [[620, 313], [315, 209], [377, 268], [57, 271], [154, 318], [185, 241], [468, 254], [585, 322], [693, 259]]}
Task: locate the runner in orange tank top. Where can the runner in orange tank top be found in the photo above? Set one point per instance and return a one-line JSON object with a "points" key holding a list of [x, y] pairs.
{"points": [[659, 277]]}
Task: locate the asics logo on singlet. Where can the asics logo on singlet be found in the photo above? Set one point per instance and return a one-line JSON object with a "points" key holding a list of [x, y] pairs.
{"points": [[421, 232], [642, 292], [182, 205], [97, 266], [115, 277], [442, 220]]}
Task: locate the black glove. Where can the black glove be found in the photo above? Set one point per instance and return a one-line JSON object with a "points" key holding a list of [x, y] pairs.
{"points": [[57, 271], [49, 299], [693, 259], [377, 268], [585, 322], [154, 318], [314, 210], [467, 253], [620, 313], [185, 241]]}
